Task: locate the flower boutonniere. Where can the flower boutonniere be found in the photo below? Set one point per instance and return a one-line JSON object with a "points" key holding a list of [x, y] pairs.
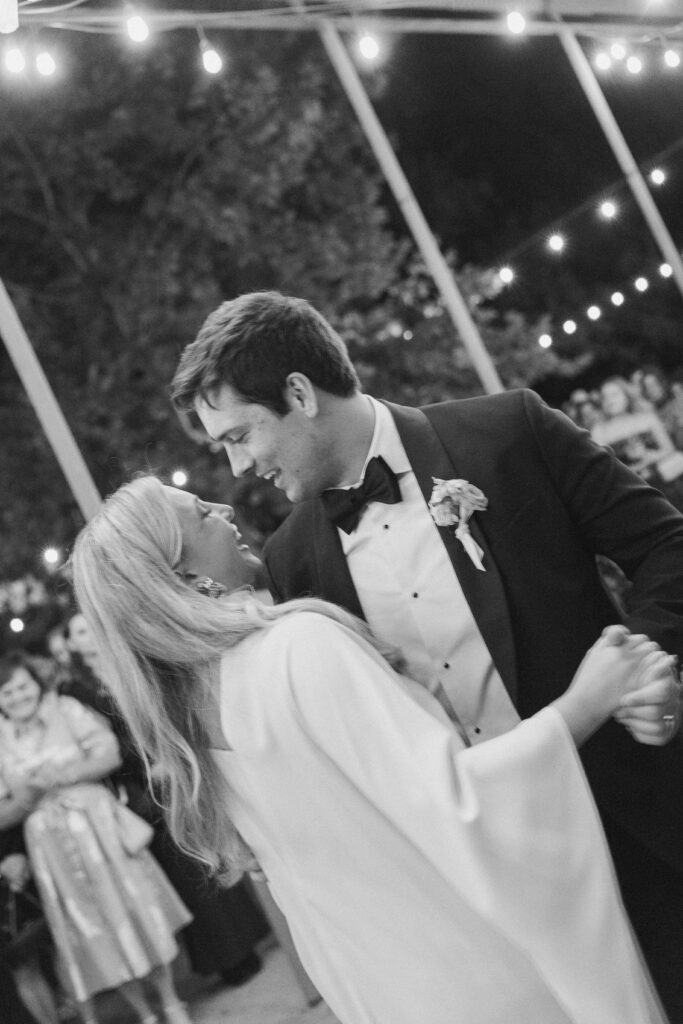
{"points": [[452, 504]]}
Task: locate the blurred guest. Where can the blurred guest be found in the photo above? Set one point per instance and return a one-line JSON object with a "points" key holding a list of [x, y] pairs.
{"points": [[27, 605], [60, 666], [110, 909], [639, 439], [584, 409], [668, 405], [27, 995], [20, 908], [227, 923]]}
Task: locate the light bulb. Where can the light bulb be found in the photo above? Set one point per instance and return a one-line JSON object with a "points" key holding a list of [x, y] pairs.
{"points": [[45, 64], [506, 274], [617, 298], [137, 28], [642, 284], [16, 625], [618, 51], [15, 60], [516, 22], [51, 556], [665, 270], [672, 58], [634, 65], [211, 60], [569, 326], [593, 312], [179, 478], [608, 209], [545, 341], [603, 61], [368, 47], [657, 176], [556, 243]]}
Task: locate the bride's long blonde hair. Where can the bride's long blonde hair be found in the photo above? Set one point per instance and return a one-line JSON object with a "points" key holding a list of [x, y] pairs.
{"points": [[160, 642]]}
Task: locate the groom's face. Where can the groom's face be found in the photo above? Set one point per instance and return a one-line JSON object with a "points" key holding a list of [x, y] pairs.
{"points": [[288, 449]]}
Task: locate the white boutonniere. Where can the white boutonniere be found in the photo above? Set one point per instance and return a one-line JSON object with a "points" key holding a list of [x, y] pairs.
{"points": [[452, 504]]}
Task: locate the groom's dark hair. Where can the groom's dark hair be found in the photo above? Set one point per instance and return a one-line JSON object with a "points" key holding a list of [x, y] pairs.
{"points": [[253, 343]]}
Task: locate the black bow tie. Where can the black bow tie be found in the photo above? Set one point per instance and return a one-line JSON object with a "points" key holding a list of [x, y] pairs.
{"points": [[344, 507]]}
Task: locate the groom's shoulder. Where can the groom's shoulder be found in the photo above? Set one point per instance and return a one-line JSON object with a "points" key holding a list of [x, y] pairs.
{"points": [[501, 408]]}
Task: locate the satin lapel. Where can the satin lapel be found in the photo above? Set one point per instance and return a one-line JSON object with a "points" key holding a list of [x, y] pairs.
{"points": [[483, 591], [334, 579]]}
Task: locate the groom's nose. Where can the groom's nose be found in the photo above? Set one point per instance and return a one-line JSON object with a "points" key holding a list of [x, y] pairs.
{"points": [[240, 463]]}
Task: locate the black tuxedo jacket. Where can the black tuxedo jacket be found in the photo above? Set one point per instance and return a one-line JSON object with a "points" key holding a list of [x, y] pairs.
{"points": [[555, 501]]}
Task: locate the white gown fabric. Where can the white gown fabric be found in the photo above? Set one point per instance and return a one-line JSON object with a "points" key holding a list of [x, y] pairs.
{"points": [[423, 882]]}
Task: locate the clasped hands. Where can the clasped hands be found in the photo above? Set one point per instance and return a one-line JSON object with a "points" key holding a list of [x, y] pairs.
{"points": [[651, 711]]}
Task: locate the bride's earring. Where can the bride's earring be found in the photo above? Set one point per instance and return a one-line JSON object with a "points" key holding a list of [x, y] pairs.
{"points": [[209, 587]]}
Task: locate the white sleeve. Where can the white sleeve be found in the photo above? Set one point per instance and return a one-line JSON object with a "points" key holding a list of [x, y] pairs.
{"points": [[510, 823]]}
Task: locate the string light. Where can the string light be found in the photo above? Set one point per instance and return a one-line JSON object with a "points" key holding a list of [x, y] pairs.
{"points": [[603, 61], [634, 64], [593, 312], [618, 51], [506, 274], [617, 298], [672, 58], [16, 625], [657, 176], [368, 47], [569, 326], [45, 64], [516, 22], [665, 270], [545, 341], [51, 556], [211, 59], [608, 209], [556, 243], [15, 62], [137, 28], [179, 478], [641, 284]]}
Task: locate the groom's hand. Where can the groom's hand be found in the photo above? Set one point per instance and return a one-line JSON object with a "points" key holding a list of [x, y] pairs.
{"points": [[652, 713]]}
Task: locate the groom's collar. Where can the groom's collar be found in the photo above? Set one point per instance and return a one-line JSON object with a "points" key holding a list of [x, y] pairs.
{"points": [[386, 441]]}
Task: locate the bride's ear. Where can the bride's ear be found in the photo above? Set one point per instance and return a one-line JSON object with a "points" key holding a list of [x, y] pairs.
{"points": [[301, 394]]}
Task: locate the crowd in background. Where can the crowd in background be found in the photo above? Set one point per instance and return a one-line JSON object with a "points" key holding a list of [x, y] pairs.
{"points": [[641, 419], [92, 890]]}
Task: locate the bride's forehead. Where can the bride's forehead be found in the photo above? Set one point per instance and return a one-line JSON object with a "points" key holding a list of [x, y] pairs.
{"points": [[182, 501]]}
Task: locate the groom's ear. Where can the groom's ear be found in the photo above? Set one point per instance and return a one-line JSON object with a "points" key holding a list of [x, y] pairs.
{"points": [[301, 395]]}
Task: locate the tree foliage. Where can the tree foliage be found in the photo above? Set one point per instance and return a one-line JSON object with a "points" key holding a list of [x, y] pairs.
{"points": [[139, 194]]}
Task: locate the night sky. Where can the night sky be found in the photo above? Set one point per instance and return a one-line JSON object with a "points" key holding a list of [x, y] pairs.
{"points": [[500, 143]]}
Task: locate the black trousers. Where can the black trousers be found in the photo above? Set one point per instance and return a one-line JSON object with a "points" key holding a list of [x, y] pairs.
{"points": [[653, 896]]}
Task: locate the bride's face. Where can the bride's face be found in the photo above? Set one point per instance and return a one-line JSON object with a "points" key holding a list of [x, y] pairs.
{"points": [[212, 545]]}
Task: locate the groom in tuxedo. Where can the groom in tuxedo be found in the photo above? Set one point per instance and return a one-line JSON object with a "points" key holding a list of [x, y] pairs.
{"points": [[497, 615]]}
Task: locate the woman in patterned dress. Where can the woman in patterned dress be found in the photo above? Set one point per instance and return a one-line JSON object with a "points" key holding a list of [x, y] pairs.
{"points": [[110, 909]]}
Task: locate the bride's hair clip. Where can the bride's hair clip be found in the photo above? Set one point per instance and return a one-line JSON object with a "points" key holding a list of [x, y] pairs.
{"points": [[210, 588]]}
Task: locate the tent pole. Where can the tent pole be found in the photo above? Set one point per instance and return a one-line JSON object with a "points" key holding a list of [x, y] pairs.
{"points": [[393, 172], [47, 408], [614, 136]]}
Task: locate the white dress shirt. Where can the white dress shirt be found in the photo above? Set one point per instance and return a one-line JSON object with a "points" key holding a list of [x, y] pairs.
{"points": [[410, 595]]}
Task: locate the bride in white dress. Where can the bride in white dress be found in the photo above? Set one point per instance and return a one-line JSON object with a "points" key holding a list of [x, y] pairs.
{"points": [[424, 882]]}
